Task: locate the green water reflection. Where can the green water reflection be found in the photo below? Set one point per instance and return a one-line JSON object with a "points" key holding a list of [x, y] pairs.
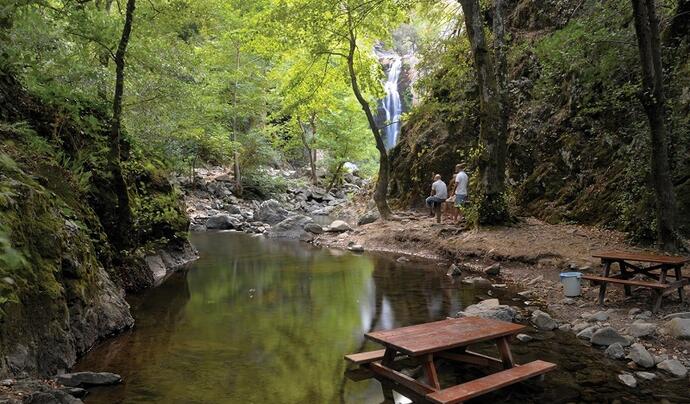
{"points": [[256, 321]]}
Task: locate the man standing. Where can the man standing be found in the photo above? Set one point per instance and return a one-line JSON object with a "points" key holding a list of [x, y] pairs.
{"points": [[439, 193], [461, 181]]}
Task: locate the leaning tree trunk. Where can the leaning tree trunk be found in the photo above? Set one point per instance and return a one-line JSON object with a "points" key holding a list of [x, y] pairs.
{"points": [[381, 190], [124, 215], [653, 101], [491, 199]]}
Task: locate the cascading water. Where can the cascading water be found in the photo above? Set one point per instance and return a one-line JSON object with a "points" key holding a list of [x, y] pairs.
{"points": [[392, 104]]}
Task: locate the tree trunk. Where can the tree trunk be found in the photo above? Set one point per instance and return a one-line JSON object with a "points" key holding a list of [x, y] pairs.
{"points": [[491, 199], [653, 101], [235, 154], [308, 149], [122, 209], [381, 190], [501, 87]]}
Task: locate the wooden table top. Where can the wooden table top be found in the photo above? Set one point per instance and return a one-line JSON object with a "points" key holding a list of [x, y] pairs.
{"points": [[442, 335], [641, 257]]}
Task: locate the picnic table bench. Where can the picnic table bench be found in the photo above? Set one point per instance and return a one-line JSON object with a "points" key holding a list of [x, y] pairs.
{"points": [[657, 268], [447, 339]]}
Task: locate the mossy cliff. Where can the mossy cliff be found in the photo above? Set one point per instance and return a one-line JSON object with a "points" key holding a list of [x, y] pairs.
{"points": [[578, 147], [62, 281]]}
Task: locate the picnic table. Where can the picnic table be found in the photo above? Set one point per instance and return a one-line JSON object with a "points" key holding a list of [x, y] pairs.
{"points": [[447, 339], [651, 266]]}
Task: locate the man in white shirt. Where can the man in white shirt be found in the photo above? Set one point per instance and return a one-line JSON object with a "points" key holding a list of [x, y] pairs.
{"points": [[439, 193], [461, 181]]}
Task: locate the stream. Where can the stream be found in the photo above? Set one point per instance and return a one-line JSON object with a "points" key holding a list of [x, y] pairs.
{"points": [[266, 321]]}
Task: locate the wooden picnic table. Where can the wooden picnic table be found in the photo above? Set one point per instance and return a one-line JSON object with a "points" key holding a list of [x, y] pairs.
{"points": [[652, 266], [447, 339]]}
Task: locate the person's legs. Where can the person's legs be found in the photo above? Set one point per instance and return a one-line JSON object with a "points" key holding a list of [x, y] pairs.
{"points": [[459, 204], [432, 202]]}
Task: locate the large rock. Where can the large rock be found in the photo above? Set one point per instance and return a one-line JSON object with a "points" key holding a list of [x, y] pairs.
{"points": [[543, 321], [339, 226], [640, 355], [313, 228], [86, 379], [598, 316], [679, 328], [490, 308], [223, 222], [673, 367], [271, 212], [369, 217], [290, 228], [607, 336], [642, 330]]}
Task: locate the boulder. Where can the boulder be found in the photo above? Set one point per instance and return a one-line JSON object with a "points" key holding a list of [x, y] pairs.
{"points": [[491, 309], [627, 379], [223, 222], [640, 355], [673, 367], [615, 351], [607, 336], [313, 228], [339, 226], [271, 212], [290, 228], [369, 217], [493, 270], [543, 321], [678, 328], [642, 330], [85, 379]]}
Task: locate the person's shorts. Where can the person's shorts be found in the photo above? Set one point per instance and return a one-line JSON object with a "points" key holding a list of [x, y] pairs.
{"points": [[460, 200]]}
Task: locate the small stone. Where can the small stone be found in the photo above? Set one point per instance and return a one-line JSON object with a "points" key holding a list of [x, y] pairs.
{"points": [[543, 321], [313, 228], [564, 327], [568, 301], [499, 285], [579, 326], [607, 336], [645, 375], [660, 358], [673, 367], [615, 351], [7, 382], [454, 270], [642, 330], [493, 270], [587, 333], [645, 315], [678, 328], [634, 311], [598, 316], [627, 379], [403, 259], [356, 248], [339, 226], [524, 338], [640, 355]]}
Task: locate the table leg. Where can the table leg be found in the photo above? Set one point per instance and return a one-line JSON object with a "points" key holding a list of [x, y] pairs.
{"points": [[679, 277], [504, 349], [602, 287], [388, 357], [625, 275], [659, 295], [430, 371], [387, 389]]}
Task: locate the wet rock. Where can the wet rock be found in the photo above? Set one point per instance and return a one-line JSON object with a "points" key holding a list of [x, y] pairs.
{"points": [[607, 336], [524, 338], [223, 222], [645, 375], [543, 321], [587, 333], [685, 315], [84, 379], [313, 228], [640, 355], [271, 212], [355, 248], [477, 281], [369, 217], [615, 351], [493, 270], [490, 308], [642, 330], [678, 328], [339, 226], [673, 367], [454, 270], [627, 379], [598, 316], [290, 228]]}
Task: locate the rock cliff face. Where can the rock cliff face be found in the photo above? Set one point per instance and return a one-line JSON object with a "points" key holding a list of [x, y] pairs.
{"points": [[578, 137], [61, 281]]}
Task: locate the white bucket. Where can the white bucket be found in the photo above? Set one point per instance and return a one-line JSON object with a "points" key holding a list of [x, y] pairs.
{"points": [[571, 283]]}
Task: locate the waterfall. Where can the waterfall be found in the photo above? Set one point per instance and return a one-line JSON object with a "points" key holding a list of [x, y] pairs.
{"points": [[391, 104]]}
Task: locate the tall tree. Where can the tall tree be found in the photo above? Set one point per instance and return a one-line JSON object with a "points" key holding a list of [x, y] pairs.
{"points": [[492, 113], [653, 101], [122, 209]]}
